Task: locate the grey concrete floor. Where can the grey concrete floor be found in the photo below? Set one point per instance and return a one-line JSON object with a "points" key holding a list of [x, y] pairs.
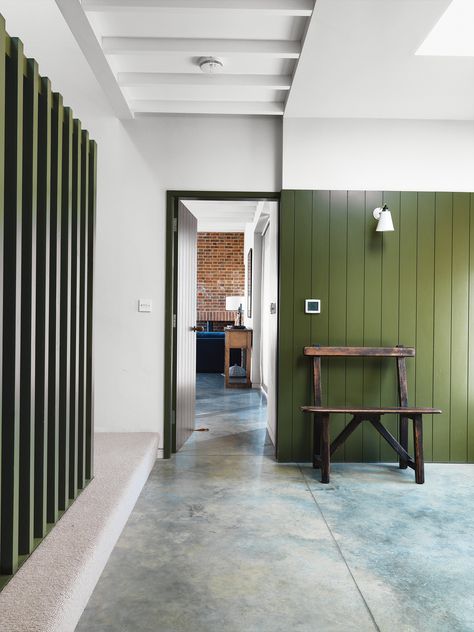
{"points": [[223, 539]]}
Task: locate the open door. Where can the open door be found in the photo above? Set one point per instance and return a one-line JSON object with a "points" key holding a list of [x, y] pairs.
{"points": [[185, 325]]}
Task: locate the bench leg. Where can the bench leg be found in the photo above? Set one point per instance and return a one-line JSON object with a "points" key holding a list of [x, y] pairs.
{"points": [[325, 449], [403, 441], [316, 441], [418, 446]]}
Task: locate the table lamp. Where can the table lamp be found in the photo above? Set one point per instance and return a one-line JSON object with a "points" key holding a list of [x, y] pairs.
{"points": [[235, 304]]}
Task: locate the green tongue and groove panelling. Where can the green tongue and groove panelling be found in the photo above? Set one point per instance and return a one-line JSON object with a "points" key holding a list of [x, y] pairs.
{"points": [[413, 286]]}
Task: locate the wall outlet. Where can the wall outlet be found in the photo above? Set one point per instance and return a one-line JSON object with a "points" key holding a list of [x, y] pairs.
{"points": [[144, 305]]}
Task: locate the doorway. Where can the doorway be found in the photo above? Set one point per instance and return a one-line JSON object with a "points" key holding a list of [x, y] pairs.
{"points": [[185, 322]]}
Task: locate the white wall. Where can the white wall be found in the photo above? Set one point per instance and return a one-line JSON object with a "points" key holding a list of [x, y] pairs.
{"points": [[264, 292], [269, 321], [378, 154], [137, 162], [253, 240]]}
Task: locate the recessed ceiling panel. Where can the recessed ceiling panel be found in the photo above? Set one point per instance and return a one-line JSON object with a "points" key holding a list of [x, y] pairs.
{"points": [[153, 24]]}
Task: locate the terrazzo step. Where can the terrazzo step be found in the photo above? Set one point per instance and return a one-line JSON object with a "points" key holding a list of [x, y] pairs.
{"points": [[52, 588]]}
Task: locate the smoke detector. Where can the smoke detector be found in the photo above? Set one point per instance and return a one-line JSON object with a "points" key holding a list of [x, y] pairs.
{"points": [[210, 65]]}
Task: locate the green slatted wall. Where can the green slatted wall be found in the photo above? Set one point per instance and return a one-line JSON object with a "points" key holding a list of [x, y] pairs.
{"points": [[414, 286], [47, 218]]}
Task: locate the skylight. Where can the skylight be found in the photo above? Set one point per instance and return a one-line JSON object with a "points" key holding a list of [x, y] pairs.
{"points": [[453, 34]]}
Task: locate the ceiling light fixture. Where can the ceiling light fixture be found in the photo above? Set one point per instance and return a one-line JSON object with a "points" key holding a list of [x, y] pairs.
{"points": [[384, 218], [210, 65]]}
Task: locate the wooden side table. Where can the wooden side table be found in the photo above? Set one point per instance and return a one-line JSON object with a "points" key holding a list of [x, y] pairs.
{"points": [[238, 339]]}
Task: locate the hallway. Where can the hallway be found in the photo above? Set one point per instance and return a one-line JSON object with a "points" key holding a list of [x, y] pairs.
{"points": [[225, 539]]}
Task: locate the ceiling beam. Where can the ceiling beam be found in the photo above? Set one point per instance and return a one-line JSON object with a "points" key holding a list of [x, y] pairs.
{"points": [[204, 47], [206, 107], [146, 79], [302, 8], [85, 37]]}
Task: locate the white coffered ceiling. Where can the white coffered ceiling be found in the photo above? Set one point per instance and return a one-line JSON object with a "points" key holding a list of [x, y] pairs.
{"points": [[152, 49], [217, 216]]}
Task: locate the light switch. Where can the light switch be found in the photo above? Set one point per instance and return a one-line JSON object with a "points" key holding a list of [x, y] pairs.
{"points": [[144, 305]]}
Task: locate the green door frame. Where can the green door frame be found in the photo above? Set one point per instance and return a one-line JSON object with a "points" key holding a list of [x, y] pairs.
{"points": [[172, 199]]}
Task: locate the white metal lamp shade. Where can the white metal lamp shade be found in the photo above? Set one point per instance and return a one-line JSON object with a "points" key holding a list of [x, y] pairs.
{"points": [[384, 218], [233, 303]]}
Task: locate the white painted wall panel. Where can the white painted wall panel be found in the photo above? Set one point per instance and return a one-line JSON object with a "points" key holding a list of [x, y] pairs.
{"points": [[378, 154]]}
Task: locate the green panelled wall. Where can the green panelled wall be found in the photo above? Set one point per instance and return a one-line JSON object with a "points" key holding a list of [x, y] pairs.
{"points": [[414, 286], [47, 219]]}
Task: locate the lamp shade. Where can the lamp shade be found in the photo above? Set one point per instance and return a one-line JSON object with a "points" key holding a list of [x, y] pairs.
{"points": [[385, 222], [232, 303], [384, 218]]}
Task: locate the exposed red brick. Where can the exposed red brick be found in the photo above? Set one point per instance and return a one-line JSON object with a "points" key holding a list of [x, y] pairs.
{"points": [[220, 269]]}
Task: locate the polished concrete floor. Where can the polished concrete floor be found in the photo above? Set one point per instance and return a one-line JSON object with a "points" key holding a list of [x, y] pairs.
{"points": [[223, 539]]}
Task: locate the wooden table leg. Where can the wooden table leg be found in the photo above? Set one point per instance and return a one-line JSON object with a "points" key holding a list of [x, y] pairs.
{"points": [[418, 447], [325, 449], [226, 364], [402, 464], [316, 440]]}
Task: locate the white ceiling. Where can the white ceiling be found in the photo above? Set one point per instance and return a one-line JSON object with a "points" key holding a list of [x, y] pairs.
{"points": [[359, 61], [152, 48], [216, 216]]}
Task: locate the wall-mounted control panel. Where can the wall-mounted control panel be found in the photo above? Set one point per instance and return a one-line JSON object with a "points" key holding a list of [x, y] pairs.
{"points": [[144, 305], [312, 306]]}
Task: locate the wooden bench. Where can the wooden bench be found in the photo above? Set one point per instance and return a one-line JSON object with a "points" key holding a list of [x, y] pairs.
{"points": [[323, 448]]}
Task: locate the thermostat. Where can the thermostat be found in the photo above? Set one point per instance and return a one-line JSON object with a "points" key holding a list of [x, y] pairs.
{"points": [[312, 306]]}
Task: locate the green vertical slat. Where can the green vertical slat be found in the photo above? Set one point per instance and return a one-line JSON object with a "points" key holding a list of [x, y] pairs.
{"points": [[355, 312], [423, 395], [389, 315], [442, 323], [285, 326], [82, 346], [337, 307], [28, 307], [320, 277], [372, 321], [470, 416], [65, 312], [74, 290], [11, 309], [90, 295], [2, 227], [302, 392], [54, 307], [459, 328], [408, 284], [42, 307]]}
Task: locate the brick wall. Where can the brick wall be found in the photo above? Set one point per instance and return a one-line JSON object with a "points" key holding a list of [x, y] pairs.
{"points": [[220, 269]]}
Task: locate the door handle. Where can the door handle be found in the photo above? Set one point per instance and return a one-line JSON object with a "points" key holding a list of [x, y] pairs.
{"points": [[196, 328]]}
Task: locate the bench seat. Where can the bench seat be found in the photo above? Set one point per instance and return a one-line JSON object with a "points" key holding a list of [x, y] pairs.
{"points": [[398, 410]]}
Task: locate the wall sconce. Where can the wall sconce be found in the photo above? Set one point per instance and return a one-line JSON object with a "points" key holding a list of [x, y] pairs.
{"points": [[384, 218]]}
